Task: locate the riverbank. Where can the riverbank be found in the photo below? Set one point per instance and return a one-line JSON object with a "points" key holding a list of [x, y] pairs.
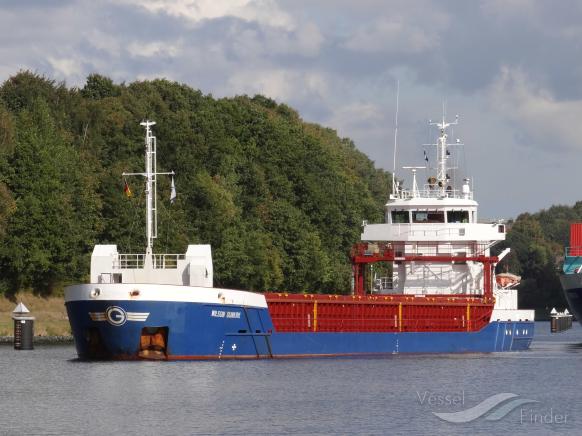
{"points": [[40, 340], [51, 323]]}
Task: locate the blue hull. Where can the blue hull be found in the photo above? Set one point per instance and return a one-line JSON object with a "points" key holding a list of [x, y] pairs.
{"points": [[208, 331]]}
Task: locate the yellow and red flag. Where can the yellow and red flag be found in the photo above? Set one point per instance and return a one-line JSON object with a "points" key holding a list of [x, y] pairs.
{"points": [[126, 189]]}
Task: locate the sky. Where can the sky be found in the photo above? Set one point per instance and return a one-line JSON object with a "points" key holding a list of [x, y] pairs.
{"points": [[511, 70]]}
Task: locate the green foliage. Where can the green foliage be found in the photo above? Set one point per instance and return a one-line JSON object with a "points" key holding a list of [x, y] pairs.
{"points": [[98, 87], [54, 217], [280, 200], [22, 90], [537, 242]]}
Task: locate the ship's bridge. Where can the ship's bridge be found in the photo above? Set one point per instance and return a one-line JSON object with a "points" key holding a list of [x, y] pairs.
{"points": [[433, 226], [425, 225], [423, 210], [439, 245], [431, 216]]}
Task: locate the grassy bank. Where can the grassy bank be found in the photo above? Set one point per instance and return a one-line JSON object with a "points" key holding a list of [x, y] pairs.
{"points": [[51, 316]]}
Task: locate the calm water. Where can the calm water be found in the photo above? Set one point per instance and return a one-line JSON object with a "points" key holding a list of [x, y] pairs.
{"points": [[47, 391]]}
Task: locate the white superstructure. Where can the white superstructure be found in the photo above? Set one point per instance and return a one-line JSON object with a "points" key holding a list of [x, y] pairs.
{"points": [[432, 220], [191, 269], [194, 268], [156, 277]]}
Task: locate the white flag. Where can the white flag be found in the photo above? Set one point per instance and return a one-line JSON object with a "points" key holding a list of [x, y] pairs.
{"points": [[173, 192]]}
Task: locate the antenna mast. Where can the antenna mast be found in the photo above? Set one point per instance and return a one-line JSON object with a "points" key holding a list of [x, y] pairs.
{"points": [[151, 186], [395, 139], [415, 191], [442, 177]]}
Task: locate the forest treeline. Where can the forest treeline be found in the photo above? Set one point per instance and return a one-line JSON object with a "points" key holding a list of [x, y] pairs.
{"points": [[280, 200], [537, 244]]}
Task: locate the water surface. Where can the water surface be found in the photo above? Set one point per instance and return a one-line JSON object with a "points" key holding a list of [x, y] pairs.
{"points": [[48, 391]]}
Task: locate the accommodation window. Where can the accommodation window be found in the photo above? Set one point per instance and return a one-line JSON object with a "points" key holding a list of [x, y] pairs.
{"points": [[458, 216], [428, 217], [400, 216]]}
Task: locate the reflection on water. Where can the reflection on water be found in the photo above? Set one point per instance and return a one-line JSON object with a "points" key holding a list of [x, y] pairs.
{"points": [[49, 391]]}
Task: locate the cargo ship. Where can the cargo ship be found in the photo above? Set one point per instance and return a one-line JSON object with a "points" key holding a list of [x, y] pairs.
{"points": [[423, 282], [571, 277]]}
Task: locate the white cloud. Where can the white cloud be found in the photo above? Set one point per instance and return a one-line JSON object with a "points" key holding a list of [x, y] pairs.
{"points": [[65, 67], [558, 19], [308, 54], [548, 122], [357, 115], [274, 83], [104, 41], [366, 123], [309, 39], [155, 48], [511, 8], [396, 33], [252, 43], [280, 84], [266, 12]]}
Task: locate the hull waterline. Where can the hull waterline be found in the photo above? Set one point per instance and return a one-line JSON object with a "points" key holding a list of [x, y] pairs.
{"points": [[193, 333]]}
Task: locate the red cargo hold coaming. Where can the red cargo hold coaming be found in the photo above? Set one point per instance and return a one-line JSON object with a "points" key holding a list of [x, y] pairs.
{"points": [[378, 313]]}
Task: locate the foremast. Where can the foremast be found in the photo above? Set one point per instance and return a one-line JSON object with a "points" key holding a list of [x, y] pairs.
{"points": [[150, 175]]}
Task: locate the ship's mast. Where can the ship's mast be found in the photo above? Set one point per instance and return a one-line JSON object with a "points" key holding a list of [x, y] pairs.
{"points": [[394, 188], [150, 175], [415, 191], [442, 155]]}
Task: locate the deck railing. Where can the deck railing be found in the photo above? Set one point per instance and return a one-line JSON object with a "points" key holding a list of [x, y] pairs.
{"points": [[427, 192], [446, 229], [137, 261], [431, 249], [385, 284]]}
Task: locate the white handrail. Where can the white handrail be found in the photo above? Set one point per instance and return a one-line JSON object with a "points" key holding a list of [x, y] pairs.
{"points": [[137, 261]]}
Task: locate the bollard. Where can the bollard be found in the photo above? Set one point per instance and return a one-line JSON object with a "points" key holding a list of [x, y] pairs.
{"points": [[560, 321], [23, 328]]}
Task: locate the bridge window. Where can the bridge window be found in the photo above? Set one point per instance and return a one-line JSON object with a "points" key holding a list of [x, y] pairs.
{"points": [[458, 216], [400, 216], [428, 217]]}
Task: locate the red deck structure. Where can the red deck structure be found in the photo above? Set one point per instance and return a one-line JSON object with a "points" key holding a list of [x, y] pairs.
{"points": [[363, 312], [575, 239]]}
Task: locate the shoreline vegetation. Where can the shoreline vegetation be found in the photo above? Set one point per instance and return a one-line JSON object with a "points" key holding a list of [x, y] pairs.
{"points": [[51, 321], [40, 340], [279, 199]]}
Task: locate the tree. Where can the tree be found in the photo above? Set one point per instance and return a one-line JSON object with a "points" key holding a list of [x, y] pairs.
{"points": [[56, 211], [279, 200]]}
